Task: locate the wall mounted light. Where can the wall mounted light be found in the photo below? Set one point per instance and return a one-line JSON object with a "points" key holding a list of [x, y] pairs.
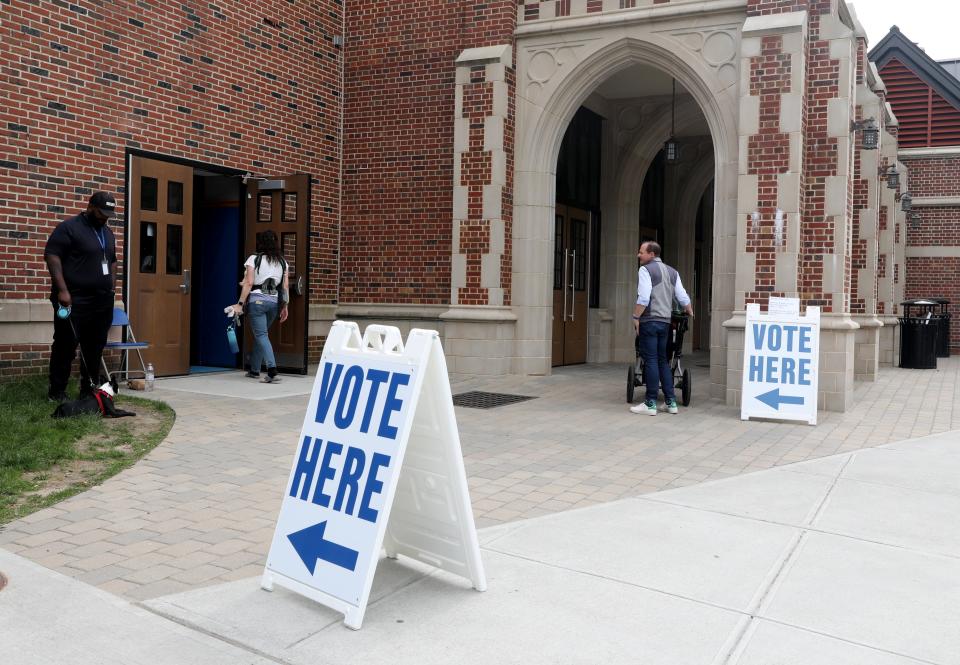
{"points": [[870, 132], [914, 219], [906, 203], [892, 176]]}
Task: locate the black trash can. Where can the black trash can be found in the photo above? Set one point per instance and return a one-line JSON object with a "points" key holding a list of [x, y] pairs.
{"points": [[943, 327], [919, 334]]}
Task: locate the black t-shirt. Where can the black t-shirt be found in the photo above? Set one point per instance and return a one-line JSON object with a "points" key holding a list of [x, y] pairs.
{"points": [[77, 242]]}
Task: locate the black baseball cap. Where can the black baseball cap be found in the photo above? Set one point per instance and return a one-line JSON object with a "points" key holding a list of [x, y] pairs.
{"points": [[105, 203]]}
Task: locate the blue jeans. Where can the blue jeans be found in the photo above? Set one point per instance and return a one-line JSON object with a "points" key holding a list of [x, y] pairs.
{"points": [[656, 369], [261, 315]]}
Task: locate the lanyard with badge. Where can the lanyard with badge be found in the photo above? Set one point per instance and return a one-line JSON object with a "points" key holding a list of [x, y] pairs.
{"points": [[101, 238]]}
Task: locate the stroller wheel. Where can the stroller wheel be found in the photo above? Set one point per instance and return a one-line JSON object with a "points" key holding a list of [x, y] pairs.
{"points": [[686, 388], [631, 383]]}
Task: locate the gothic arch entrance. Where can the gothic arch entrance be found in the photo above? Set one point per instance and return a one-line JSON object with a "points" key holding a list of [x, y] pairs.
{"points": [[556, 75]]}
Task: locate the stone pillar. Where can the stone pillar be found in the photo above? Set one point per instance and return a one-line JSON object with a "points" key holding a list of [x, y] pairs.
{"points": [[866, 204], [888, 237], [479, 326], [772, 109]]}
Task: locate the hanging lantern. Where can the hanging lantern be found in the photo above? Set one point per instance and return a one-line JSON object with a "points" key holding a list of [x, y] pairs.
{"points": [[870, 132], [893, 178], [671, 148], [906, 203]]}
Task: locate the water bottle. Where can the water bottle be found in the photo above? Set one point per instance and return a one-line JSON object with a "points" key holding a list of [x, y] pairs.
{"points": [[148, 377]]}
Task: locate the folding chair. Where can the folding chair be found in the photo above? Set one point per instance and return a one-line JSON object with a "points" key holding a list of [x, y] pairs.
{"points": [[121, 319]]}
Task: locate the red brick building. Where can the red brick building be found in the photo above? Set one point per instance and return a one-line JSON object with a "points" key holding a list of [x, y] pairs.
{"points": [[925, 97], [484, 169]]}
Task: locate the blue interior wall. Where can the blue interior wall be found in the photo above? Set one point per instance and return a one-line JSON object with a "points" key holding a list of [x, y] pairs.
{"points": [[216, 274]]}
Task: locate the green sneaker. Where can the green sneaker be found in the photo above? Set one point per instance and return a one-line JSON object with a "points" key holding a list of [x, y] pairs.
{"points": [[648, 408], [672, 406]]}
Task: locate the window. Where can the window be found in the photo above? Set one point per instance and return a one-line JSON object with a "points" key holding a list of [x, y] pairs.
{"points": [[288, 245], [558, 258], [174, 249], [175, 198], [289, 207], [148, 193], [264, 208], [148, 247]]}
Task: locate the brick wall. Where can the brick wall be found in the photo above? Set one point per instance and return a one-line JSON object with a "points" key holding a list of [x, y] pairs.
{"points": [[935, 276], [925, 278], [398, 144], [249, 86], [768, 155], [935, 177], [818, 230]]}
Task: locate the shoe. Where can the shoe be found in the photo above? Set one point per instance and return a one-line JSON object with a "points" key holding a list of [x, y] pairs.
{"points": [[252, 375], [272, 376], [57, 398], [649, 408], [672, 406]]}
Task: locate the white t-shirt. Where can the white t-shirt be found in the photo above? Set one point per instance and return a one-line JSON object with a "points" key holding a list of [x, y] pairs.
{"points": [[268, 269]]}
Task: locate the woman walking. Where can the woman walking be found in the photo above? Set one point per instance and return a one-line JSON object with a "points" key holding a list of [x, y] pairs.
{"points": [[266, 292]]}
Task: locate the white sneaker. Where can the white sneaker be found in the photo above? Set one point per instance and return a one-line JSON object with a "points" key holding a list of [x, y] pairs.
{"points": [[649, 408], [672, 406]]}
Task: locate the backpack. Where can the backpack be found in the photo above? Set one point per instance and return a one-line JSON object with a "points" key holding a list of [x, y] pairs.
{"points": [[270, 285]]}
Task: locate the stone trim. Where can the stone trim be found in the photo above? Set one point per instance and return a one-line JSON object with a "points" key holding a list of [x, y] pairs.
{"points": [[25, 311], [758, 26], [485, 314], [935, 201], [626, 17], [392, 311], [929, 153], [932, 252], [480, 176]]}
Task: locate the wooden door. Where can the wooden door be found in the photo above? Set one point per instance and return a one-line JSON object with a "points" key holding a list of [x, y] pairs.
{"points": [[570, 294], [159, 237], [283, 205]]}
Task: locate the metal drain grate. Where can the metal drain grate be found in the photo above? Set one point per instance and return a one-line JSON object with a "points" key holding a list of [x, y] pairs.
{"points": [[481, 400]]}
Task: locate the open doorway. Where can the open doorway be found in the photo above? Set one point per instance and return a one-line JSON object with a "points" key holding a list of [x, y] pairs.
{"points": [[189, 228]]}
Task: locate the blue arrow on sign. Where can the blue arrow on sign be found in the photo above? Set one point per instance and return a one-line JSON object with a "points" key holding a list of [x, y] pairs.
{"points": [[774, 399], [311, 546]]}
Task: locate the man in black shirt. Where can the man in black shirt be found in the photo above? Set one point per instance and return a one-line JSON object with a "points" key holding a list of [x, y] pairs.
{"points": [[81, 256]]}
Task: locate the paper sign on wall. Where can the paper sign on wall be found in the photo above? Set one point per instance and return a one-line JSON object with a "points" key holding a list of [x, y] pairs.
{"points": [[378, 466], [781, 354]]}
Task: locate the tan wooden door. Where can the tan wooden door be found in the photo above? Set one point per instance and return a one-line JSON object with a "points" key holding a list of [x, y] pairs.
{"points": [[160, 235], [571, 233], [283, 205]]}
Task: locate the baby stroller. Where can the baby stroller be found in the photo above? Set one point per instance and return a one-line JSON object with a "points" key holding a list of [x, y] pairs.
{"points": [[681, 377]]}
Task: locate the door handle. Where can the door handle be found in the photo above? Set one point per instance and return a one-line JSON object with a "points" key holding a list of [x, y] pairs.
{"points": [[573, 278], [298, 285], [564, 282], [185, 287]]}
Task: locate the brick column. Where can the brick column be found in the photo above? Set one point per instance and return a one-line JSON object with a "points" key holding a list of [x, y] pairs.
{"points": [[772, 116], [866, 205], [826, 267], [479, 324]]}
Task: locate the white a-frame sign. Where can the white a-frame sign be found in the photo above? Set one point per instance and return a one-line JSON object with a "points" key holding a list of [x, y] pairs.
{"points": [[378, 466]]}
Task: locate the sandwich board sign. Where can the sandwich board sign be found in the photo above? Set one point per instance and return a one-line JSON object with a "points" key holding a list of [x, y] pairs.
{"points": [[378, 467], [781, 353]]}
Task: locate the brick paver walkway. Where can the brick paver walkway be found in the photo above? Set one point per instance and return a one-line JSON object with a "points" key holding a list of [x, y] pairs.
{"points": [[200, 509]]}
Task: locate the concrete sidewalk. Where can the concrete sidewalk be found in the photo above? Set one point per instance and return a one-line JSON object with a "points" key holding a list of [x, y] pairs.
{"points": [[852, 559]]}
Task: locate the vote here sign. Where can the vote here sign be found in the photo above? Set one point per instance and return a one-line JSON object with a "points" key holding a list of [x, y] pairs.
{"points": [[341, 498], [781, 365]]}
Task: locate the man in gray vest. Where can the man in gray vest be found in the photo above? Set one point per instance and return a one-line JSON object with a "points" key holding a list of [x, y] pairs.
{"points": [[658, 285]]}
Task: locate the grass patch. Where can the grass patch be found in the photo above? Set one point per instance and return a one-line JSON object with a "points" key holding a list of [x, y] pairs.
{"points": [[45, 460]]}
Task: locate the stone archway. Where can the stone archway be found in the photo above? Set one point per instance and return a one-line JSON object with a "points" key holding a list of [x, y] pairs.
{"points": [[555, 74]]}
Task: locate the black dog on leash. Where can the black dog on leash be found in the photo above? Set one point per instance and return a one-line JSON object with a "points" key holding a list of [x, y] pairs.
{"points": [[99, 402]]}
